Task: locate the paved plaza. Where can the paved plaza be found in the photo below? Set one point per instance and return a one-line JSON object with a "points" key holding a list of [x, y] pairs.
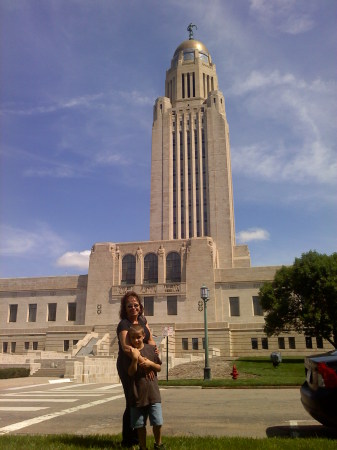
{"points": [[42, 406]]}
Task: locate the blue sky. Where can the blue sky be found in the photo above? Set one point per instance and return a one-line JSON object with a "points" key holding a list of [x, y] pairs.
{"points": [[78, 82]]}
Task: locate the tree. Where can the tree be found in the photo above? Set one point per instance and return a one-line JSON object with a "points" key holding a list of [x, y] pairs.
{"points": [[303, 298]]}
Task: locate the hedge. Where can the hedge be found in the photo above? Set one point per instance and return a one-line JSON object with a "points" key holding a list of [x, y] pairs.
{"points": [[14, 372]]}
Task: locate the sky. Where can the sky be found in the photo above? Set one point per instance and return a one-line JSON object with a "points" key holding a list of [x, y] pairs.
{"points": [[78, 81]]}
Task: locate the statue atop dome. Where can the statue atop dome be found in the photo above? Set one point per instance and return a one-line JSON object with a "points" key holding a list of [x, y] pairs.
{"points": [[190, 30]]}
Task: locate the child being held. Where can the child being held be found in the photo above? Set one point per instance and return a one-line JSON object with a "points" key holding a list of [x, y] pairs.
{"points": [[144, 395]]}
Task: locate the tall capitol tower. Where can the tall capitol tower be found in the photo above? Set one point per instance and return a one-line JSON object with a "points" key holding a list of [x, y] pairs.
{"points": [[192, 245], [191, 177]]}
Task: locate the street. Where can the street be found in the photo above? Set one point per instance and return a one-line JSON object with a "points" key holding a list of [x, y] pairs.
{"points": [[65, 407]]}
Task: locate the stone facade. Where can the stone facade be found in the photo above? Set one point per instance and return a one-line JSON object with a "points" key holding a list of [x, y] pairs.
{"points": [[232, 327], [192, 243]]}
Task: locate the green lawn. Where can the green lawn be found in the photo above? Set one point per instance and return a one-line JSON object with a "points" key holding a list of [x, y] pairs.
{"points": [[255, 372], [71, 442]]}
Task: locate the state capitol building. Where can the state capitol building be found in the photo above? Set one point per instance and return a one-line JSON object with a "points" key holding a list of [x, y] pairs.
{"points": [[192, 243]]}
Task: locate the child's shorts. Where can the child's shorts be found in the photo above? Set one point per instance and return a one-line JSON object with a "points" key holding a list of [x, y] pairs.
{"points": [[139, 415]]}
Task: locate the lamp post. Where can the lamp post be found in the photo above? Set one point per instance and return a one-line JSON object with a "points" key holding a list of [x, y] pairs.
{"points": [[204, 294]]}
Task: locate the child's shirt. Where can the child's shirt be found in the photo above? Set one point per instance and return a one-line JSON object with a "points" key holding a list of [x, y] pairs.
{"points": [[143, 391]]}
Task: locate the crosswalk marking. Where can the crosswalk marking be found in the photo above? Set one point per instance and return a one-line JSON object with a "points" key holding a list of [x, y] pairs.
{"points": [[25, 387], [35, 420], [49, 400], [71, 386], [111, 386], [22, 408], [54, 394]]}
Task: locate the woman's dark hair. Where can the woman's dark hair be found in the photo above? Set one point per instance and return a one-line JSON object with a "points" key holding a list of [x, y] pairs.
{"points": [[124, 300]]}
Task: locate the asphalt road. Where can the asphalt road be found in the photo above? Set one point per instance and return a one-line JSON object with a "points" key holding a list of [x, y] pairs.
{"points": [[42, 406]]}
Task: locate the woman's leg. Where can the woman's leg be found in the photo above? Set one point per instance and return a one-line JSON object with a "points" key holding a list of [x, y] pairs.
{"points": [[129, 435]]}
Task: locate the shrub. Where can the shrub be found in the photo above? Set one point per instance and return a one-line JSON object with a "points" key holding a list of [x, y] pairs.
{"points": [[14, 372]]}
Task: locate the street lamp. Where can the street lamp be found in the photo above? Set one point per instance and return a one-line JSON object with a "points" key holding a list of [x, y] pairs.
{"points": [[204, 294]]}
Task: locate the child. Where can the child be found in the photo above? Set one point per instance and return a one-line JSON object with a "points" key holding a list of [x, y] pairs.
{"points": [[144, 395]]}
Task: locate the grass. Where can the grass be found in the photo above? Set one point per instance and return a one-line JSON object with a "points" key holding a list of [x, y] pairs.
{"points": [[71, 442], [254, 372]]}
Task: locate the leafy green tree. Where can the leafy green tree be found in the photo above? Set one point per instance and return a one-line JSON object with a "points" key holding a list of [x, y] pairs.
{"points": [[303, 297]]}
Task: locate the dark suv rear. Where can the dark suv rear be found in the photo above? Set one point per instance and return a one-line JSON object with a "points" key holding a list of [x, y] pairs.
{"points": [[319, 392]]}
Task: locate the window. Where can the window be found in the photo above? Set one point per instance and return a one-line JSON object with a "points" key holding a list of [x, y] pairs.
{"points": [[148, 306], [75, 342], [234, 306], [52, 312], [188, 55], [255, 344], [203, 57], [129, 269], [203, 343], [195, 344], [264, 343], [32, 308], [291, 341], [13, 312], [258, 311], [308, 341], [35, 345], [281, 343], [172, 305], [151, 268], [184, 343], [173, 270], [319, 342], [66, 345], [13, 347], [72, 312], [26, 345]]}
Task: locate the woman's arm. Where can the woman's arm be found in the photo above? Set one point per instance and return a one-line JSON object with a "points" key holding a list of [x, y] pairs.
{"points": [[126, 344], [151, 340], [124, 341]]}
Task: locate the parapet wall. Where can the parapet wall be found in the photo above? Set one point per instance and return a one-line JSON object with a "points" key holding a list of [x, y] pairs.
{"points": [[92, 370]]}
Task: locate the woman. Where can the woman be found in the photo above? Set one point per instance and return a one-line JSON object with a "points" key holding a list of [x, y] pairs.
{"points": [[131, 312]]}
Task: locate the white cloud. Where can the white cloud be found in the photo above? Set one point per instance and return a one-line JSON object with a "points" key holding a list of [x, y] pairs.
{"points": [[78, 260], [17, 241], [252, 234], [138, 98], [53, 172], [115, 159], [263, 80], [284, 16], [305, 151], [258, 80], [82, 101], [308, 164]]}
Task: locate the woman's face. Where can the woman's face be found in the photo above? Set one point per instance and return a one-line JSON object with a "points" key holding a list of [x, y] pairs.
{"points": [[132, 307]]}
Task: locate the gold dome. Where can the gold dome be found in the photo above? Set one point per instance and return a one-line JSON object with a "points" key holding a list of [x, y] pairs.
{"points": [[191, 44]]}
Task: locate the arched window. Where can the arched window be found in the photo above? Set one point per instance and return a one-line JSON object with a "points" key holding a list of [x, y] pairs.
{"points": [[173, 268], [151, 268], [129, 269]]}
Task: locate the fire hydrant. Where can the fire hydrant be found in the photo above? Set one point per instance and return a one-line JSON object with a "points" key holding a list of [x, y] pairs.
{"points": [[234, 372]]}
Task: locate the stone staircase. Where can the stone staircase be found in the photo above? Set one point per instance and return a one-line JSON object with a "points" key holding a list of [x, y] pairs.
{"points": [[51, 368], [49, 373], [88, 349]]}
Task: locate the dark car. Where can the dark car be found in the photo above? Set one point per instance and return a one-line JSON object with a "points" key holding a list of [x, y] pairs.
{"points": [[319, 392]]}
